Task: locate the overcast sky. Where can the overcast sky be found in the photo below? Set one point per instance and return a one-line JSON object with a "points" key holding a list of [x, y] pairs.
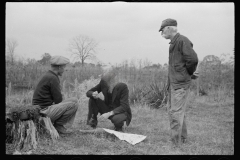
{"points": [[123, 30]]}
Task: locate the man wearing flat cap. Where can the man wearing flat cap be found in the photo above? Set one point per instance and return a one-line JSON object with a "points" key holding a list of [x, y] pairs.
{"points": [[110, 98], [49, 97], [183, 62]]}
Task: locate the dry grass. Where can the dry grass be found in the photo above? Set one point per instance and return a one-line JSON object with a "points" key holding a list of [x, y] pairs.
{"points": [[27, 75], [210, 131]]}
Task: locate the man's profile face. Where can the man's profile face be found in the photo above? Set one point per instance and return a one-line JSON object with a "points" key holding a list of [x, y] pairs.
{"points": [[61, 69], [165, 33]]}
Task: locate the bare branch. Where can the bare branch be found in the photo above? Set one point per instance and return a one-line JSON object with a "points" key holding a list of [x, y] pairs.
{"points": [[83, 47], [10, 47]]}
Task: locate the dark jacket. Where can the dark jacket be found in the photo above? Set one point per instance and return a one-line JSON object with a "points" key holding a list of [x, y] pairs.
{"points": [[47, 91], [118, 101], [183, 61]]}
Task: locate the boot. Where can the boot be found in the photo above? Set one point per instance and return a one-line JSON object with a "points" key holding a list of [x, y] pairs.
{"points": [[61, 129], [119, 129], [183, 140], [92, 122]]}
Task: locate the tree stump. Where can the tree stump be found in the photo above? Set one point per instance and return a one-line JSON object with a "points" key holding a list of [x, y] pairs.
{"points": [[24, 125]]}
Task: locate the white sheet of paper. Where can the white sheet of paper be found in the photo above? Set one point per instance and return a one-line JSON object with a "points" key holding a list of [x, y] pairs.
{"points": [[130, 138]]}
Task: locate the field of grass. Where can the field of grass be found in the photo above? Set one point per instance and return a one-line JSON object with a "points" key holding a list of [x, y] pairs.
{"points": [[210, 130]]}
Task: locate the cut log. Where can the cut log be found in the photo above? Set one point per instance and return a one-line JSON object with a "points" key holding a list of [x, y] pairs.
{"points": [[93, 131], [99, 132], [24, 125]]}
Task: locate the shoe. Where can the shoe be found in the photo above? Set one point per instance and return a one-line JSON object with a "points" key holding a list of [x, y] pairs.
{"points": [[119, 129], [184, 140], [61, 129], [174, 142], [92, 122]]}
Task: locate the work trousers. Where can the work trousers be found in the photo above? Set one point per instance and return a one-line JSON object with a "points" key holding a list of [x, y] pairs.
{"points": [[96, 106], [62, 113], [177, 103]]}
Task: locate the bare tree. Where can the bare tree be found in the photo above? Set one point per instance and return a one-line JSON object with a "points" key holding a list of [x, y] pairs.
{"points": [[83, 47], [147, 62], [10, 48]]}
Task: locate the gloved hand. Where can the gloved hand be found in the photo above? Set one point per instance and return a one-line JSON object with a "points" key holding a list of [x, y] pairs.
{"points": [[43, 112], [106, 115]]}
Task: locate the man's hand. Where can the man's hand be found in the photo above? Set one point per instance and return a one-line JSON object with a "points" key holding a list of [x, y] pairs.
{"points": [[105, 115], [63, 96], [95, 95], [100, 96], [195, 75]]}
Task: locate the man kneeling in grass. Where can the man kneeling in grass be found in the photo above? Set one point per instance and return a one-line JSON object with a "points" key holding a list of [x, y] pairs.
{"points": [[113, 106], [49, 97]]}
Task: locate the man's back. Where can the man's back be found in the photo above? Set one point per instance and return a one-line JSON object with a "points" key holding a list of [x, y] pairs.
{"points": [[48, 90], [182, 61]]}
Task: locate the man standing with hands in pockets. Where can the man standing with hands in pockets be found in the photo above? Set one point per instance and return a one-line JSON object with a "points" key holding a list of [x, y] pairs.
{"points": [[183, 62]]}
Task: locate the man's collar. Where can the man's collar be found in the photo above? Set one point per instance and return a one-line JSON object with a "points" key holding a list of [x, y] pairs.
{"points": [[53, 73], [174, 38]]}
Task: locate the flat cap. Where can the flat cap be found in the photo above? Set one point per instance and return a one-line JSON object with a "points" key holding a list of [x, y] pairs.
{"points": [[168, 22], [59, 60]]}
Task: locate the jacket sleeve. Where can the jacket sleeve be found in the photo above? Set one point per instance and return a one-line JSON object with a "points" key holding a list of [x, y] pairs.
{"points": [[124, 103], [55, 91], [168, 83], [189, 56], [96, 88]]}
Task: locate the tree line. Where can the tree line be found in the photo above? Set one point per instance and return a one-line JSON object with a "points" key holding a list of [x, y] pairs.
{"points": [[215, 72], [81, 47]]}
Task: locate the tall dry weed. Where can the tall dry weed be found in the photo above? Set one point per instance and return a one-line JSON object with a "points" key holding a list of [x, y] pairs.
{"points": [[79, 90]]}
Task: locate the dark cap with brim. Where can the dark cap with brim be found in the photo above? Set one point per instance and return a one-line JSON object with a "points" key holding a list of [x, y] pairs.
{"points": [[168, 22]]}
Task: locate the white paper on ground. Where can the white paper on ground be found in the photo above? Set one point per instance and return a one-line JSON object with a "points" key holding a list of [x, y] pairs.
{"points": [[130, 138]]}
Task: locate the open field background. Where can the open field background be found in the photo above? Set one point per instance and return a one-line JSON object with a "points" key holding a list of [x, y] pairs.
{"points": [[210, 129], [210, 113]]}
